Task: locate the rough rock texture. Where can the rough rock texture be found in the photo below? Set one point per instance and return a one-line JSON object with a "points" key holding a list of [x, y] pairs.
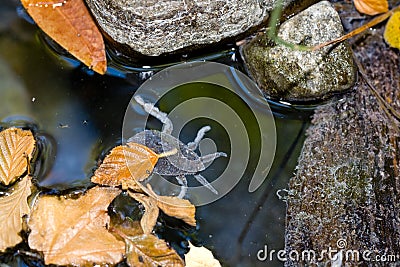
{"points": [[347, 184], [153, 27], [295, 75]]}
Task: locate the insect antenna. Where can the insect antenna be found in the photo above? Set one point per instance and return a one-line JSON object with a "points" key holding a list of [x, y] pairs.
{"points": [[168, 153]]}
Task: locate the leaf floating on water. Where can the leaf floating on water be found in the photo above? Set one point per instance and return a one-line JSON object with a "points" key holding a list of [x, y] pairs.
{"points": [[16, 148], [200, 257], [70, 24], [150, 216], [147, 250], [371, 7], [175, 207], [73, 231], [125, 164], [392, 30], [13, 208]]}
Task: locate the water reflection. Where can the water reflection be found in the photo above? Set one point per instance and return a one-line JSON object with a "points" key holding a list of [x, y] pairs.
{"points": [[79, 119]]}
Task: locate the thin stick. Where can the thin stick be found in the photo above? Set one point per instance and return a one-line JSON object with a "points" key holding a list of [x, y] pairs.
{"points": [[359, 30]]}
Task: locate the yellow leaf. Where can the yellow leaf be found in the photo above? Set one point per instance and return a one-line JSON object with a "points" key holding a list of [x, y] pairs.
{"points": [[371, 7], [73, 231], [13, 208], [392, 30], [127, 163], [150, 216], [70, 24], [200, 257], [16, 148]]}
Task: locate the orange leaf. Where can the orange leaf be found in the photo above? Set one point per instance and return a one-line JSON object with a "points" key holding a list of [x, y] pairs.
{"points": [[16, 148], [149, 251], [392, 30], [69, 23], [151, 212], [13, 207], [127, 163], [117, 166], [73, 231], [174, 206], [371, 7]]}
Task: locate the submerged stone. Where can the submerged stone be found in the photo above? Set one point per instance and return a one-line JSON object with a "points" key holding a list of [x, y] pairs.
{"points": [[293, 75], [155, 27]]}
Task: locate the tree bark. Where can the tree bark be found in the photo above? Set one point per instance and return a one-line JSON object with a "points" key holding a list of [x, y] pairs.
{"points": [[347, 182]]}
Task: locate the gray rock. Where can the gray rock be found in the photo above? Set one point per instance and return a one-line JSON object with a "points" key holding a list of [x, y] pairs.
{"points": [[295, 75], [347, 181], [154, 27]]}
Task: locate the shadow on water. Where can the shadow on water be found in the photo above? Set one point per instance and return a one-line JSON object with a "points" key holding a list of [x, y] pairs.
{"points": [[77, 118]]}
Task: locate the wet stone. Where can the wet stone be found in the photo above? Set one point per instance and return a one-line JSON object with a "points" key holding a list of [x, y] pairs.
{"points": [[153, 27], [298, 76]]}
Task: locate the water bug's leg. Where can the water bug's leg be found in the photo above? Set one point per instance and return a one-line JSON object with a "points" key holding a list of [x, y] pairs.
{"points": [[155, 112], [204, 182], [183, 182], [200, 134], [212, 157]]}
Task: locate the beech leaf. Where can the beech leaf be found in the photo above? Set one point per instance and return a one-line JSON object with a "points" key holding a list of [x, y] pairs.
{"points": [[70, 24], [371, 7], [200, 257], [149, 251], [13, 208], [73, 231], [125, 164], [150, 216], [16, 148], [392, 30], [175, 207]]}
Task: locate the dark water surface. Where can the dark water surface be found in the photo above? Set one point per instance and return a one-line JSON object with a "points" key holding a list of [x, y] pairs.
{"points": [[77, 117]]}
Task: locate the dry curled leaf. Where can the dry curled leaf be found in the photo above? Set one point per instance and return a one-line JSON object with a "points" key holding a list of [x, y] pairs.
{"points": [[13, 208], [149, 251], [392, 30], [70, 24], [200, 257], [126, 163], [16, 148], [175, 207], [371, 7], [151, 212], [73, 231]]}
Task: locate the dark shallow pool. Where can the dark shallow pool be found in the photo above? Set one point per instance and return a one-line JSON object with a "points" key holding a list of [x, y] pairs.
{"points": [[77, 116]]}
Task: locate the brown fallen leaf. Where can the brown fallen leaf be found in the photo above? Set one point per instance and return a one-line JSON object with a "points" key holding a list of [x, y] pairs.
{"points": [[149, 251], [200, 257], [392, 30], [128, 227], [13, 208], [371, 7], [73, 231], [150, 215], [174, 207], [16, 148], [126, 163], [70, 24]]}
